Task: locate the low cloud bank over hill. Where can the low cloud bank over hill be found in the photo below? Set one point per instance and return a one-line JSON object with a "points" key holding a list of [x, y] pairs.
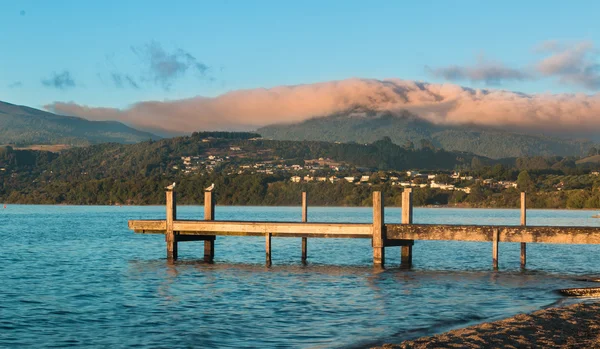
{"points": [[445, 104]]}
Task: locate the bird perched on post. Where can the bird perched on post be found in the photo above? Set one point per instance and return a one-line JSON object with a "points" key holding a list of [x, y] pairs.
{"points": [[212, 186], [171, 187]]}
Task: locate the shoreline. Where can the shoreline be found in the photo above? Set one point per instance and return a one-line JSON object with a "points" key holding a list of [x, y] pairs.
{"points": [[315, 206], [572, 326]]}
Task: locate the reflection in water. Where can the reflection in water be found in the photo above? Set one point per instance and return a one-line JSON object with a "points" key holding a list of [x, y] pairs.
{"points": [[108, 287]]}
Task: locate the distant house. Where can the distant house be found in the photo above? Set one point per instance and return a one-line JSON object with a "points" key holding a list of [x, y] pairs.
{"points": [[595, 173], [364, 178], [322, 179], [412, 173], [431, 176], [308, 178], [235, 148], [350, 179], [296, 179], [466, 190], [333, 179]]}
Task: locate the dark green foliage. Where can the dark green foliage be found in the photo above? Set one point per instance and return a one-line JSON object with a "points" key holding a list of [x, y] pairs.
{"points": [[25, 126], [366, 126]]}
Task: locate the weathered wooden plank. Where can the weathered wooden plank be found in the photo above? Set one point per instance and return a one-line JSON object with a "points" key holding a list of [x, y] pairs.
{"points": [[170, 232], [523, 223], [209, 215], [268, 248], [274, 227], [148, 225], [407, 209], [495, 240], [378, 230], [304, 220], [538, 234]]}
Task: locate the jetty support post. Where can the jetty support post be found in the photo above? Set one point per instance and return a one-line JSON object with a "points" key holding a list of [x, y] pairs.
{"points": [[495, 239], [304, 219], [209, 215], [523, 223], [268, 248], [378, 231], [407, 216], [170, 236]]}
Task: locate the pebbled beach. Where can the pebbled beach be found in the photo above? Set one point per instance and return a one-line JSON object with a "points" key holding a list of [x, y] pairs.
{"points": [[574, 326]]}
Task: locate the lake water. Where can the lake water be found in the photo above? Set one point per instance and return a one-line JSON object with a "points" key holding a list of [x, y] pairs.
{"points": [[76, 276]]}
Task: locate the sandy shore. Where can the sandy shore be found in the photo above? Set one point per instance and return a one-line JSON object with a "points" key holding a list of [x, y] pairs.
{"points": [[575, 326]]}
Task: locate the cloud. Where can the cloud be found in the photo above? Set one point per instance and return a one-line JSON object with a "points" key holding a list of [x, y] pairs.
{"points": [[166, 67], [576, 64], [61, 81], [16, 84], [573, 64], [124, 80], [492, 73], [437, 103]]}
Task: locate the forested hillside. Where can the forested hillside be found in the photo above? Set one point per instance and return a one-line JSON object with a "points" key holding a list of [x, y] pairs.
{"points": [[21, 126], [368, 126]]}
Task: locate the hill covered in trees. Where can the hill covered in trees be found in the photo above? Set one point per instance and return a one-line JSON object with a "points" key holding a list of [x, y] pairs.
{"points": [[20, 125], [366, 126], [249, 170]]}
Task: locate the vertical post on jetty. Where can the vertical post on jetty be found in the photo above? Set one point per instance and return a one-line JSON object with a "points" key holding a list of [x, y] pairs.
{"points": [[407, 210], [523, 223], [209, 215], [495, 239], [378, 230], [268, 248], [170, 237], [304, 219]]}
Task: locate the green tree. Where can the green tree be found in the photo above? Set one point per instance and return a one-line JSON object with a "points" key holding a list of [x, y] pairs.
{"points": [[524, 182]]}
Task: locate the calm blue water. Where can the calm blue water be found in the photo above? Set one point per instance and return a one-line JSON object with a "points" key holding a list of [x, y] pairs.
{"points": [[76, 276]]}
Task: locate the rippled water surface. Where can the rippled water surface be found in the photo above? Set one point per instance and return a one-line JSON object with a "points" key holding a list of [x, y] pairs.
{"points": [[76, 276]]}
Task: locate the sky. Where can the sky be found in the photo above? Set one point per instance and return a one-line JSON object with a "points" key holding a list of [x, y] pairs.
{"points": [[87, 58]]}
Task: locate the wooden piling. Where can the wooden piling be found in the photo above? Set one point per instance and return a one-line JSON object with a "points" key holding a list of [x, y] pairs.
{"points": [[209, 215], [304, 219], [378, 230], [523, 223], [495, 239], [268, 248], [170, 236], [407, 210]]}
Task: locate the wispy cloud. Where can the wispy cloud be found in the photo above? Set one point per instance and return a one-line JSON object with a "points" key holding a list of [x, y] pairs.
{"points": [[16, 84], [492, 73], [61, 81], [438, 103], [575, 64], [124, 80], [164, 68]]}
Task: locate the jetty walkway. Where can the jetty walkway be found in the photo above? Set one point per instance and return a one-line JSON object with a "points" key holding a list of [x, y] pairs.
{"points": [[382, 235]]}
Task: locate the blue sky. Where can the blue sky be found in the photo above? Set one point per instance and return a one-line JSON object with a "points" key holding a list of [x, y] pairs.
{"points": [[77, 50]]}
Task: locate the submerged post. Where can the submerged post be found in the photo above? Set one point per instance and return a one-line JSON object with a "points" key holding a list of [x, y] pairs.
{"points": [[268, 248], [407, 210], [523, 223], [378, 230], [495, 239], [304, 219], [209, 215], [170, 237]]}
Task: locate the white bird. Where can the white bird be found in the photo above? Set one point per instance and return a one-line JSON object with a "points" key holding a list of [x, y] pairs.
{"points": [[171, 187], [212, 186]]}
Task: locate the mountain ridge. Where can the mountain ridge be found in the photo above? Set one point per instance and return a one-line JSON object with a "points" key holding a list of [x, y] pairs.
{"points": [[22, 125], [365, 126]]}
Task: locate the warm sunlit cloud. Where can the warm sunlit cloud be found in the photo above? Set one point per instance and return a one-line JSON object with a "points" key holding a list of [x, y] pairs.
{"points": [[438, 103]]}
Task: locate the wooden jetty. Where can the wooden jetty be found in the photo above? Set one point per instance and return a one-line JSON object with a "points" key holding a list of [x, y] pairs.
{"points": [[382, 235]]}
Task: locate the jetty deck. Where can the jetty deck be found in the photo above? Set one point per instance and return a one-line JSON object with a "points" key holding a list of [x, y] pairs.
{"points": [[382, 235]]}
